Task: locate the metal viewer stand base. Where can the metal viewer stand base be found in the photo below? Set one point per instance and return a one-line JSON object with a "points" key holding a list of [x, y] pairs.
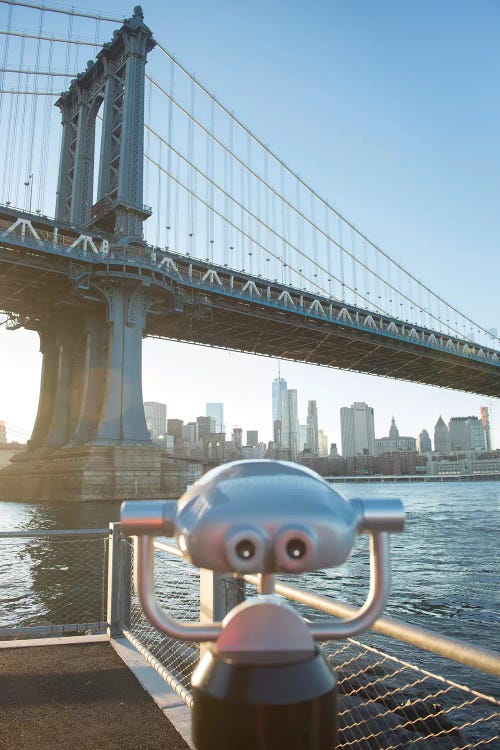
{"points": [[271, 706]]}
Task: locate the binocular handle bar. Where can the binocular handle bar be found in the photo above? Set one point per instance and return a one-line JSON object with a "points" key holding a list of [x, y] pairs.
{"points": [[145, 587], [320, 631], [380, 584]]}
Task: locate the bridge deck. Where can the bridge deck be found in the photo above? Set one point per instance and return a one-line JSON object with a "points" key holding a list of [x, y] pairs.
{"points": [[81, 696], [203, 303]]}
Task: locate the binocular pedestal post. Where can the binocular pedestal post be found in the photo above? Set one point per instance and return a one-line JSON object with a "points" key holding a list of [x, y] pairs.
{"points": [[268, 706]]}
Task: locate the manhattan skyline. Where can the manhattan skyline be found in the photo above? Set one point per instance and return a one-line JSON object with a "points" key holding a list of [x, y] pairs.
{"points": [[389, 115], [250, 405]]}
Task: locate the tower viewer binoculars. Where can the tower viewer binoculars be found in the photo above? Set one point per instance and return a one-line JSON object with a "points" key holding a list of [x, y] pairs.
{"points": [[263, 683]]}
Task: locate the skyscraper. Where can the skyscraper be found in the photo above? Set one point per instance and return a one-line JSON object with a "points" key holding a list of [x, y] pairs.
{"points": [[174, 427], [302, 437], [477, 435], [441, 437], [289, 422], [357, 426], [190, 432], [322, 443], [206, 426], [466, 433], [252, 438], [312, 428], [424, 444], [279, 387], [156, 418], [216, 411], [485, 419], [238, 437]]}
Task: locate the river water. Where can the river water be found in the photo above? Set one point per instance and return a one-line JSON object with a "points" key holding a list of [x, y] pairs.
{"points": [[445, 564]]}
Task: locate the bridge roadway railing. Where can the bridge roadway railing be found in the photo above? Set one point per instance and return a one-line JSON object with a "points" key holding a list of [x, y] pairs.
{"points": [[400, 686], [167, 268]]}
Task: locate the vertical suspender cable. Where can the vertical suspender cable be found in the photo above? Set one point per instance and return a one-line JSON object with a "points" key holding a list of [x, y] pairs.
{"points": [[378, 285], [241, 238], [46, 135], [354, 266], [258, 209], [19, 150], [248, 203], [390, 291], [147, 184], [225, 233], [211, 174], [328, 252], [5, 58], [34, 111], [285, 232], [366, 277], [191, 176], [159, 206], [69, 35], [274, 225], [288, 236], [170, 136], [299, 221], [232, 237], [268, 235], [317, 281], [341, 259], [177, 233], [6, 185], [207, 198]]}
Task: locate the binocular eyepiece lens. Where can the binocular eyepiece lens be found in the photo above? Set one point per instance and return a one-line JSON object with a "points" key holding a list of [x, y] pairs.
{"points": [[245, 549], [296, 549]]}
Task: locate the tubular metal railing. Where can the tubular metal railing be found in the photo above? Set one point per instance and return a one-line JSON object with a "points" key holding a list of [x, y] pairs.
{"points": [[390, 698]]}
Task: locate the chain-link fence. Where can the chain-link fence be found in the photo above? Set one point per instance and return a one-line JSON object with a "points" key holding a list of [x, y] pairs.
{"points": [[388, 704], [53, 582], [177, 586], [385, 702]]}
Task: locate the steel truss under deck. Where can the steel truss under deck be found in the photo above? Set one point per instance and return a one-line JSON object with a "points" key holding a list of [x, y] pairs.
{"points": [[44, 268]]}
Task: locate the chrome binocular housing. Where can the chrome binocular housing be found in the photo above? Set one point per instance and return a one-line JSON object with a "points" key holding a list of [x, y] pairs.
{"points": [[263, 517]]}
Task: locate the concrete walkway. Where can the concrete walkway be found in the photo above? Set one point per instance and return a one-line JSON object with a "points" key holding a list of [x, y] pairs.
{"points": [[83, 695]]}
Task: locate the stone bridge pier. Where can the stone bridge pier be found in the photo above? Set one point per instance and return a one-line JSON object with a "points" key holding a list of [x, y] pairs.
{"points": [[90, 440]]}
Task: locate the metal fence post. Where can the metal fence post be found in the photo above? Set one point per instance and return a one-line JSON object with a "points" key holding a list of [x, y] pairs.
{"points": [[118, 583], [218, 595]]}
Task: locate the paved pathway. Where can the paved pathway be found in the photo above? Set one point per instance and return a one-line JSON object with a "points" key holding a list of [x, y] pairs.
{"points": [[79, 696]]}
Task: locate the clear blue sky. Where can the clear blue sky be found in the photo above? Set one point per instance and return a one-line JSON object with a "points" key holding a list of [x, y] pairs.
{"points": [[391, 111]]}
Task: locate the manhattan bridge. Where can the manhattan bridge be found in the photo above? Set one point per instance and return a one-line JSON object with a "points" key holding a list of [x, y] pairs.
{"points": [[235, 250]]}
